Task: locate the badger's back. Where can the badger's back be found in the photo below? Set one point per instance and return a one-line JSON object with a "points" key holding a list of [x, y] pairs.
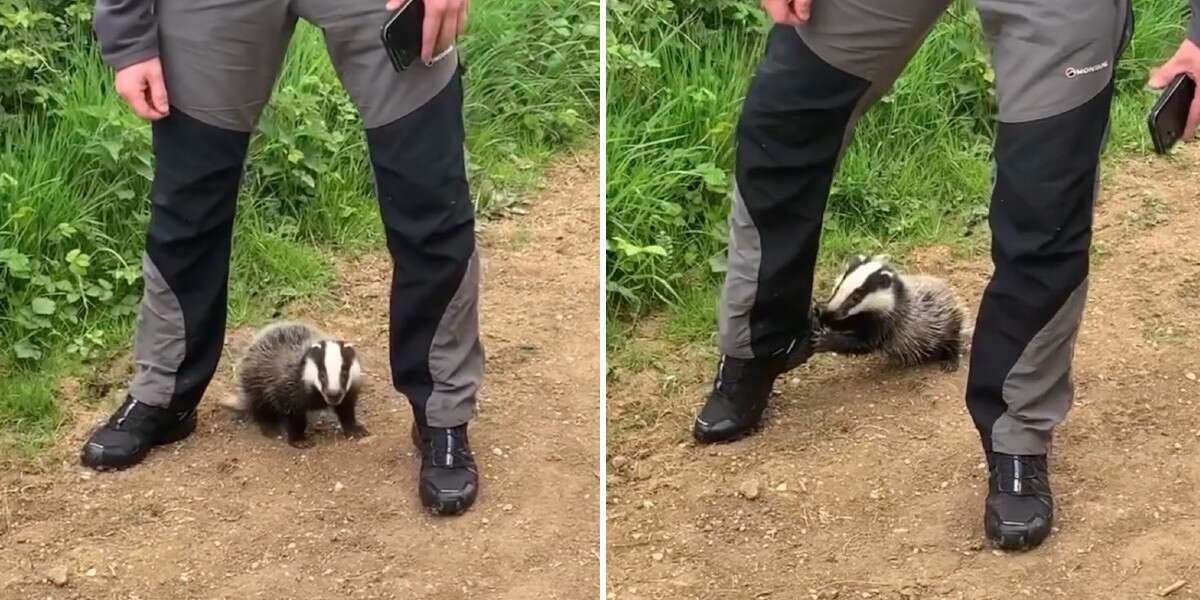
{"points": [[270, 372], [929, 323]]}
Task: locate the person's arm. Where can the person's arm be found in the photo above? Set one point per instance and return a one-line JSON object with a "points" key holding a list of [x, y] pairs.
{"points": [[128, 35], [127, 30]]}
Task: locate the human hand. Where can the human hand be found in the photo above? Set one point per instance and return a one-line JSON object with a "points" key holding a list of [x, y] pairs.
{"points": [[788, 12], [142, 87], [1186, 60], [444, 22]]}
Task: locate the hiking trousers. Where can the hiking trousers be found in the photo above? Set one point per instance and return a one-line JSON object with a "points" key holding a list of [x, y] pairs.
{"points": [[1054, 62], [220, 61]]}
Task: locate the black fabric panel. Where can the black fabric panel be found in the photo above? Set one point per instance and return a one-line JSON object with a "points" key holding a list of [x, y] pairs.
{"points": [[1041, 221], [430, 225], [788, 139], [197, 172]]}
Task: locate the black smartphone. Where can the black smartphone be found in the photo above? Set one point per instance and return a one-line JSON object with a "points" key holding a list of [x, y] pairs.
{"points": [[402, 34], [1169, 115]]}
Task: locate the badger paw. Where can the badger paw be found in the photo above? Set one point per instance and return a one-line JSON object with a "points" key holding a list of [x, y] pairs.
{"points": [[356, 432]]}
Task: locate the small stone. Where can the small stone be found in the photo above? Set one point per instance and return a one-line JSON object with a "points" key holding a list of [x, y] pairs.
{"points": [[647, 504], [749, 489], [91, 572], [506, 507], [57, 575], [642, 471], [183, 578], [781, 487], [292, 546], [1191, 376], [619, 461], [339, 486], [497, 452], [657, 556]]}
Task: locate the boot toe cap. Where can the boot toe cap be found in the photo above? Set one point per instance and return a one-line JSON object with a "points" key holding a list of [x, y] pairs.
{"points": [[723, 430], [449, 491], [108, 449], [1022, 532]]}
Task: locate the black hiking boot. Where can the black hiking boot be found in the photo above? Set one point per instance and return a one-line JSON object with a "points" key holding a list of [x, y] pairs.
{"points": [[131, 432], [1019, 510], [739, 394], [449, 478]]}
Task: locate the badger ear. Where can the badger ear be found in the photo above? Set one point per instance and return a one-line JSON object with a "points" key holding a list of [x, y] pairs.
{"points": [[349, 345], [888, 278]]}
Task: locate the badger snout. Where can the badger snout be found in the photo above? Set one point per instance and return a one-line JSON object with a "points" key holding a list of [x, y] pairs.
{"points": [[334, 398]]}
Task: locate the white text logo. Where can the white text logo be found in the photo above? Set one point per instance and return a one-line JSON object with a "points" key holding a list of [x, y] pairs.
{"points": [[1072, 72]]}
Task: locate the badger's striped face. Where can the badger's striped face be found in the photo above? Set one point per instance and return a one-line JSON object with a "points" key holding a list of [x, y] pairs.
{"points": [[331, 368], [867, 286]]}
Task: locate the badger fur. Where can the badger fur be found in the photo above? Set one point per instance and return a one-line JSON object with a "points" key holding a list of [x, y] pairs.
{"points": [[291, 369], [908, 319]]}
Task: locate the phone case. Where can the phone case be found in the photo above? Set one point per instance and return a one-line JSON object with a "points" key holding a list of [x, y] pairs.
{"points": [[1169, 115], [401, 57]]}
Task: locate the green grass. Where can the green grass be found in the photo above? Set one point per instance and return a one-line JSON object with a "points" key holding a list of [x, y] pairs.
{"points": [[918, 171], [75, 169]]}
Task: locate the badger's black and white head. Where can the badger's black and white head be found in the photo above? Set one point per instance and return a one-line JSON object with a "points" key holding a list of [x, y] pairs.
{"points": [[868, 286], [331, 368]]}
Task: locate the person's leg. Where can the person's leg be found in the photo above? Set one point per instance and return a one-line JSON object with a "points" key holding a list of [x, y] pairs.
{"points": [[219, 61], [415, 134], [1054, 64], [807, 93]]}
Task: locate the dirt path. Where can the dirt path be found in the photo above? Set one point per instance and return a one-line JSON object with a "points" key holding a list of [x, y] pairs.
{"points": [[870, 483], [231, 514]]}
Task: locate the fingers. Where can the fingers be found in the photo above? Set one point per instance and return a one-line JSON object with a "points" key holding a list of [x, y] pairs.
{"points": [[449, 31], [158, 92], [1164, 74], [802, 9], [1193, 119], [780, 12], [393, 4], [430, 30], [137, 101]]}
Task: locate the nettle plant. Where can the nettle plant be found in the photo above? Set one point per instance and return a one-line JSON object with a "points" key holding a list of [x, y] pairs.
{"points": [[32, 42]]}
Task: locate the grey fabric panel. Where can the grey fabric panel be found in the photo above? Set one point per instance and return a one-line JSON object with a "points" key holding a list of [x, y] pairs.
{"points": [[1039, 390], [1050, 57], [160, 341], [872, 39], [352, 36], [741, 281], [909, 33], [221, 57], [1194, 25], [127, 31], [456, 356]]}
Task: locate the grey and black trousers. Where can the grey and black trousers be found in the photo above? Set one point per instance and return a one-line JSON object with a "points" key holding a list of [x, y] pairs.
{"points": [[220, 61], [1054, 64]]}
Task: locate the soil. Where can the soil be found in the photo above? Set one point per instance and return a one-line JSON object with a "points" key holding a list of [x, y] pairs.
{"points": [[229, 513], [868, 482]]}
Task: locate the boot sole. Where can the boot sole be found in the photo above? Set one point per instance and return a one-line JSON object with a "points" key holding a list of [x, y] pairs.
{"points": [[1014, 538]]}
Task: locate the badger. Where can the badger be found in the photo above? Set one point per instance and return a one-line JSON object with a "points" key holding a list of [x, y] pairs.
{"points": [[291, 369], [908, 319]]}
